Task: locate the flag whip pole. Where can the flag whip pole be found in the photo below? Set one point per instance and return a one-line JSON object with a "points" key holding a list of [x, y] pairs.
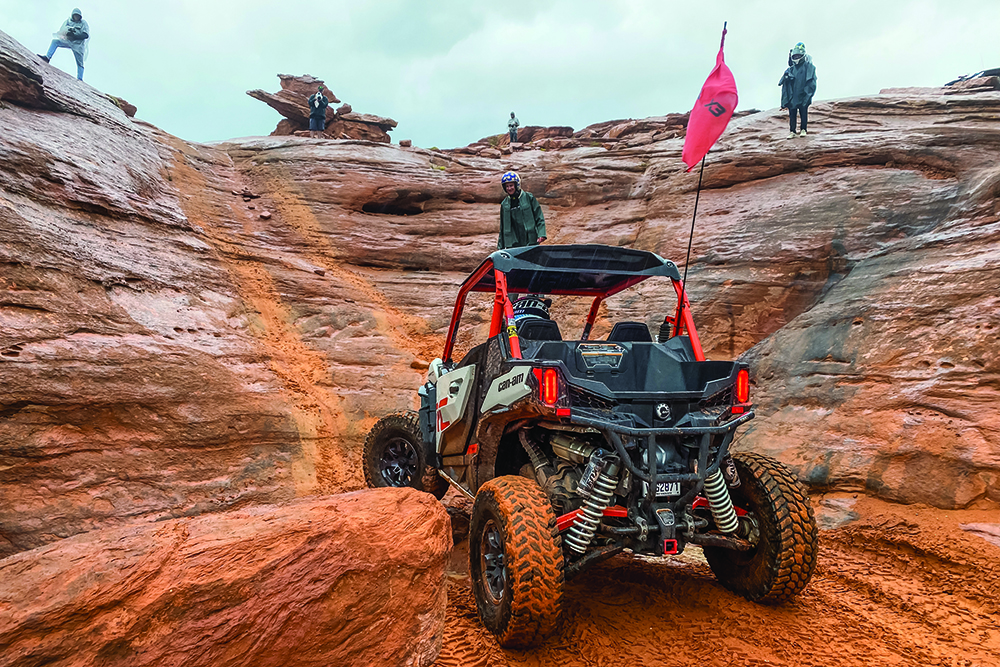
{"points": [[697, 195]]}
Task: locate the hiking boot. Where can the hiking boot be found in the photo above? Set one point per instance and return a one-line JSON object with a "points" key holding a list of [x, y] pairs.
{"points": [[45, 58], [803, 132], [791, 135]]}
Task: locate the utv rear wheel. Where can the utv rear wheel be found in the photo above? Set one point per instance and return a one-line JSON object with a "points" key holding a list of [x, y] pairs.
{"points": [[784, 558], [394, 455], [516, 561]]}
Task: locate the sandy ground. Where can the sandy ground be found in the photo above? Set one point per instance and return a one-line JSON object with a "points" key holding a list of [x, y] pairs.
{"points": [[895, 585]]}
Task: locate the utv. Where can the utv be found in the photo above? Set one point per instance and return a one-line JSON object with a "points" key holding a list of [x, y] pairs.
{"points": [[578, 450]]}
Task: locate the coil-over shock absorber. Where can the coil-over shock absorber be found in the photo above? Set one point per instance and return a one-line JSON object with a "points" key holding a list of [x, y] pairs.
{"points": [[597, 487], [720, 503]]}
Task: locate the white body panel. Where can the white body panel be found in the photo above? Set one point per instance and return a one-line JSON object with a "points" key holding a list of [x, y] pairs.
{"points": [[453, 391], [508, 388]]}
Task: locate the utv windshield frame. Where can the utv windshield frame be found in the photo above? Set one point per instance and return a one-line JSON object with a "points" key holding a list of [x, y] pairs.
{"points": [[597, 271]]}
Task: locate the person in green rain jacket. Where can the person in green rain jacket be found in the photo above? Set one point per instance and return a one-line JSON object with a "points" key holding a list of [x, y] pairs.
{"points": [[521, 220]]}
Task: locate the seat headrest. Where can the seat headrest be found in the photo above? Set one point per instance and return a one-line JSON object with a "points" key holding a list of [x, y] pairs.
{"points": [[630, 332], [532, 328]]}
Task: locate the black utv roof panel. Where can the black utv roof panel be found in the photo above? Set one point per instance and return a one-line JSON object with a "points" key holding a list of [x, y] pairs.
{"points": [[582, 270]]}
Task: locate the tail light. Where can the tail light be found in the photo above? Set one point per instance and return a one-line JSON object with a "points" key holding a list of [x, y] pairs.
{"points": [[743, 386], [548, 385]]}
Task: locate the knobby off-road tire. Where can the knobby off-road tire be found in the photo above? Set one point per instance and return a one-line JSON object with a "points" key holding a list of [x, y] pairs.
{"points": [[394, 455], [784, 559], [516, 561]]}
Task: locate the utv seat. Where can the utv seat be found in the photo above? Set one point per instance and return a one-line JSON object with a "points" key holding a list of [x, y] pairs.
{"points": [[534, 328], [630, 332]]}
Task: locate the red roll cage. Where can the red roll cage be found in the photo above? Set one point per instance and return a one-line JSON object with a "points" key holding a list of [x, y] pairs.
{"points": [[585, 270]]}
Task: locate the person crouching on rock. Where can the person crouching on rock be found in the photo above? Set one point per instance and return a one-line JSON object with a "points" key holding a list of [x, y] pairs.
{"points": [[798, 85], [317, 113], [74, 35], [521, 220]]}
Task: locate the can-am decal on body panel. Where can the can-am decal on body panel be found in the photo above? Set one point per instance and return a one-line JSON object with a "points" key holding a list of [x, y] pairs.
{"points": [[507, 388]]}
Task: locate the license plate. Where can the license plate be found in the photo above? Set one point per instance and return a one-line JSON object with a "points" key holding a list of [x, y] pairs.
{"points": [[666, 489]]}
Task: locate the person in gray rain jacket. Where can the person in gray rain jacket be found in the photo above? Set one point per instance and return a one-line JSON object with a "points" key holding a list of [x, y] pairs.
{"points": [[521, 220], [798, 85], [317, 112], [74, 35], [512, 126]]}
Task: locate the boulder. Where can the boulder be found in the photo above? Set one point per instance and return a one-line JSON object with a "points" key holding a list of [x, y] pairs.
{"points": [[287, 128], [292, 102], [306, 85], [129, 109], [530, 133], [354, 579], [293, 106], [978, 85], [385, 124]]}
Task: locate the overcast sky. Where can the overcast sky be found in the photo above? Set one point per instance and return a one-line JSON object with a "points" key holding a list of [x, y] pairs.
{"points": [[451, 71]]}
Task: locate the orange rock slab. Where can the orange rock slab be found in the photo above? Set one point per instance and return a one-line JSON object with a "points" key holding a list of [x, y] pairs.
{"points": [[320, 581]]}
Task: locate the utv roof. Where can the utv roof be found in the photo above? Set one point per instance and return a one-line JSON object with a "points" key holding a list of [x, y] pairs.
{"points": [[582, 270]]}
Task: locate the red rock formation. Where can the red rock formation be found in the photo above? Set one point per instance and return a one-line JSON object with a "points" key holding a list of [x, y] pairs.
{"points": [[315, 582], [610, 134], [129, 109], [978, 85], [166, 352], [292, 102]]}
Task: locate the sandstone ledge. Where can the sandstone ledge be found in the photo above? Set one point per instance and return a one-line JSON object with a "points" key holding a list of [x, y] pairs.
{"points": [[323, 580]]}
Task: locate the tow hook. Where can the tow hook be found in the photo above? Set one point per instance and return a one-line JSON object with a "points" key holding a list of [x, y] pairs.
{"points": [[668, 525]]}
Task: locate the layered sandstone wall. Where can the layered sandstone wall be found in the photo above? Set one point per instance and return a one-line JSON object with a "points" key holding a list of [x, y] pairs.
{"points": [[168, 350]]}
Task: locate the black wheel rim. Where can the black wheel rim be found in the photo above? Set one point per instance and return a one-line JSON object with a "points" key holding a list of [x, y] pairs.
{"points": [[494, 562], [399, 462]]}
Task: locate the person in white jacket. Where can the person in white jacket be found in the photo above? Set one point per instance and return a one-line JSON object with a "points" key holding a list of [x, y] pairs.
{"points": [[74, 35]]}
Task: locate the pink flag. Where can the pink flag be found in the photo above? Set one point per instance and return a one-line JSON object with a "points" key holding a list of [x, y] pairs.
{"points": [[712, 111]]}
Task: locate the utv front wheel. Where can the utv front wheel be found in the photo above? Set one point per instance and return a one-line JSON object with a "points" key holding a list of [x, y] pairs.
{"points": [[783, 560], [394, 455], [516, 561]]}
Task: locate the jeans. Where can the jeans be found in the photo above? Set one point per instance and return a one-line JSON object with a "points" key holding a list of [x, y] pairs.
{"points": [[513, 136], [803, 112], [59, 43]]}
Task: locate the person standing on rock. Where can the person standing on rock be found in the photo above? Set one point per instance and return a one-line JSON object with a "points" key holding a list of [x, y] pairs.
{"points": [[512, 126], [317, 113], [74, 35], [521, 220], [798, 85]]}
